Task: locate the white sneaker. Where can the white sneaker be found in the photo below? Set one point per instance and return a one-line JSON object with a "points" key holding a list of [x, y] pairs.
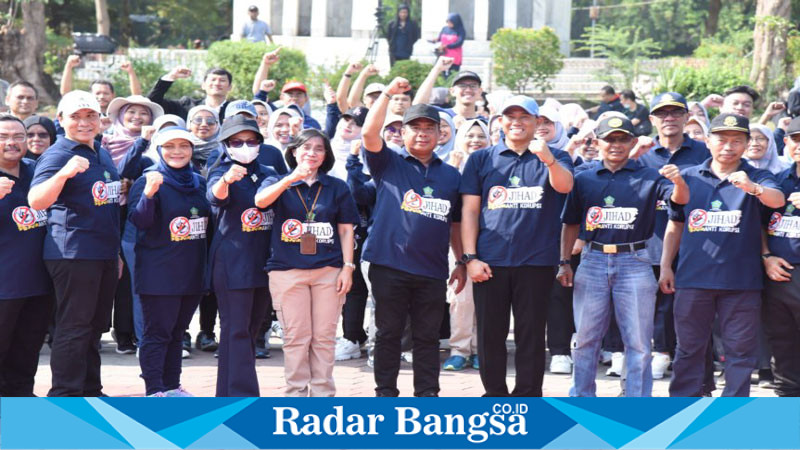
{"points": [[561, 364], [179, 392], [617, 361], [660, 365], [185, 354], [605, 358], [407, 357], [276, 329], [347, 349]]}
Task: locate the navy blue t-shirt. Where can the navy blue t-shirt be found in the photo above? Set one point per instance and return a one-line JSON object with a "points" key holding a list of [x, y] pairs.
{"points": [[520, 211], [334, 205], [690, 153], [271, 157], [22, 232], [615, 207], [242, 235], [721, 242], [414, 208], [83, 223], [783, 226], [171, 240]]}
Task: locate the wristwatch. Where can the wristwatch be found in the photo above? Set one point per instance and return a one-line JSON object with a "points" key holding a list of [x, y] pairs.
{"points": [[766, 255], [467, 257], [563, 262]]}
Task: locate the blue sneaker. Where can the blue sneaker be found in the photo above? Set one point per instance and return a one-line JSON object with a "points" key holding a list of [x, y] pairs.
{"points": [[455, 362], [475, 363]]}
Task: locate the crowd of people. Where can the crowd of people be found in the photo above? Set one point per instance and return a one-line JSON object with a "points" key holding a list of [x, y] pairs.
{"points": [[653, 238]]}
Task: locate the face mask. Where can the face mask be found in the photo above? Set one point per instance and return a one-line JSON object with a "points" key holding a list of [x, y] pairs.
{"points": [[243, 154]]}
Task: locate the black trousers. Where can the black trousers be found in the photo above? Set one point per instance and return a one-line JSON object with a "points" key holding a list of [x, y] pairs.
{"points": [[781, 312], [123, 298], [399, 295], [208, 313], [241, 313], [560, 317], [84, 294], [355, 305], [23, 324], [525, 291]]}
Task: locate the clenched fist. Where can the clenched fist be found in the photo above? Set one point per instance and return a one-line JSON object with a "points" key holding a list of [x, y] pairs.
{"points": [[75, 165], [741, 181], [154, 182], [5, 186], [398, 86], [234, 174], [672, 173], [539, 148]]}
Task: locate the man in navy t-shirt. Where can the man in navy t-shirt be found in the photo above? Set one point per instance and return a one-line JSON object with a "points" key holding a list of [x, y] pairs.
{"points": [[417, 212], [782, 285], [612, 207], [719, 272], [513, 194]]}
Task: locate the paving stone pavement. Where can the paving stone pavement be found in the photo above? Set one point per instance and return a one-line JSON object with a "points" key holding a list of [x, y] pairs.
{"points": [[120, 374]]}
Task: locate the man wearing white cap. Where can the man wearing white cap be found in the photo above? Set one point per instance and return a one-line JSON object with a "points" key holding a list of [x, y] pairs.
{"points": [[77, 183]]}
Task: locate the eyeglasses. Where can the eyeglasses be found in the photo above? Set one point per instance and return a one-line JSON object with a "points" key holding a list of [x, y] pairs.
{"points": [[237, 143], [472, 86], [760, 140], [42, 135], [618, 140], [204, 120], [663, 113], [12, 138], [392, 129]]}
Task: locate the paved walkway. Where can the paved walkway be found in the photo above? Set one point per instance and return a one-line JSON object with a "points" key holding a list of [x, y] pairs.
{"points": [[353, 378]]}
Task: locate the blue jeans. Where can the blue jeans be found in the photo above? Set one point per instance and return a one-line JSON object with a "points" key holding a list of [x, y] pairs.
{"points": [[626, 282]]}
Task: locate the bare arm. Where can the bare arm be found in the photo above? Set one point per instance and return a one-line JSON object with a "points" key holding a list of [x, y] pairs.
{"points": [[43, 195], [135, 85], [569, 234], [354, 98], [424, 92], [672, 242], [344, 86], [470, 212], [262, 73], [371, 131], [66, 77]]}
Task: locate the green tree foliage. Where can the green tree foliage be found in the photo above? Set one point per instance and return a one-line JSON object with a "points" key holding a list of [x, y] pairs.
{"points": [[242, 58], [525, 56], [149, 72], [624, 46], [413, 71], [695, 83]]}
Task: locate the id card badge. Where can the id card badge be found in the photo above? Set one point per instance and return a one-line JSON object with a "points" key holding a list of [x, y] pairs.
{"points": [[308, 244]]}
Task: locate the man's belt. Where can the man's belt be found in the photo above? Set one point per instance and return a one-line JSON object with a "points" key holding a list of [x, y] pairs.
{"points": [[617, 248]]}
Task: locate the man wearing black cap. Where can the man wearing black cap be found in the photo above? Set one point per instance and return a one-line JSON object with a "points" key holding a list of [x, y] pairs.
{"points": [[739, 100], [612, 208], [781, 289], [416, 214], [669, 113], [719, 236]]}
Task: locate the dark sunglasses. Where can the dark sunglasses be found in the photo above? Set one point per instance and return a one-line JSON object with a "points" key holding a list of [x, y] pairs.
{"points": [[237, 143]]}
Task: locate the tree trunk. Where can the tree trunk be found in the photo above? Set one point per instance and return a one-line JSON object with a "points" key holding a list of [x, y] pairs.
{"points": [[712, 22], [103, 20], [22, 52], [769, 41]]}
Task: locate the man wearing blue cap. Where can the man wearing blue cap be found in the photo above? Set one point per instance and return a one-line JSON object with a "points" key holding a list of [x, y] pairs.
{"points": [[719, 272], [612, 208], [668, 113], [417, 212], [512, 195]]}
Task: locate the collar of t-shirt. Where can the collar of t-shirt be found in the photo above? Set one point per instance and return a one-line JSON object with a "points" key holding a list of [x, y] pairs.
{"points": [[705, 168], [631, 165], [414, 160]]}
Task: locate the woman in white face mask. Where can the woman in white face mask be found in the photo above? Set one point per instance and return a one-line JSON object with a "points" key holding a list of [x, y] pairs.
{"points": [[238, 253]]}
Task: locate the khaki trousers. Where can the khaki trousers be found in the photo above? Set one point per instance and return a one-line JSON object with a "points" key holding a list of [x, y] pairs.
{"points": [[463, 323]]}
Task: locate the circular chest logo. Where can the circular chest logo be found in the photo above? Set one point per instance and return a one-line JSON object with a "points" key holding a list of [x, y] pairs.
{"points": [[774, 221], [698, 218], [100, 191], [412, 200], [252, 218], [498, 195], [23, 216], [594, 216], [292, 228], [179, 226]]}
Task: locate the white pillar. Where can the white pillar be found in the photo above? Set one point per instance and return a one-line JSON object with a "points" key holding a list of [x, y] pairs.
{"points": [[560, 19], [434, 15], [363, 20], [540, 13], [319, 18], [510, 14], [291, 14], [481, 22]]}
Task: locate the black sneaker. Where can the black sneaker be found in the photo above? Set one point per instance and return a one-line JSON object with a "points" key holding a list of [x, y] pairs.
{"points": [[262, 353], [206, 342], [126, 347]]}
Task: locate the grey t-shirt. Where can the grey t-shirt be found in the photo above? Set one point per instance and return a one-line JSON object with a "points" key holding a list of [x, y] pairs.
{"points": [[256, 31]]}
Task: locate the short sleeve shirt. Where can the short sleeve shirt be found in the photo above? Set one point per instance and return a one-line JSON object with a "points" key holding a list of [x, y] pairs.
{"points": [[783, 225]]}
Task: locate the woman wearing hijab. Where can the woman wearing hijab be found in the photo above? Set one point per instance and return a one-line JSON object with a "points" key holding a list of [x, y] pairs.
{"points": [[762, 153], [447, 136], [263, 110], [696, 129], [170, 212], [238, 251], [311, 263], [203, 122], [348, 129], [402, 34], [280, 127], [41, 134], [696, 109], [450, 40], [472, 136], [128, 115], [551, 130], [495, 129]]}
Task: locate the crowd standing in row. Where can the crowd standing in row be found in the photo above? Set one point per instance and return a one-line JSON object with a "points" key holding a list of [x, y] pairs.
{"points": [[594, 236]]}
